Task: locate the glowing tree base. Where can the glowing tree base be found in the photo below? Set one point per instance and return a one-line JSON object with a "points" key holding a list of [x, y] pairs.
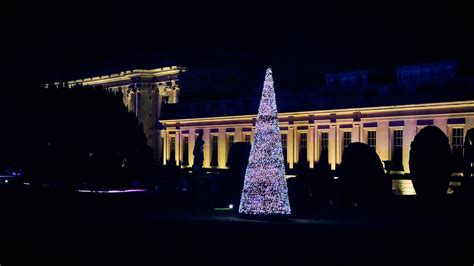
{"points": [[265, 192]]}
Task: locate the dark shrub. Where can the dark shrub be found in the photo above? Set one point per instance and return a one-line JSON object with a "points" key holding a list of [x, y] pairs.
{"points": [[238, 159], [362, 175], [430, 163], [468, 161]]}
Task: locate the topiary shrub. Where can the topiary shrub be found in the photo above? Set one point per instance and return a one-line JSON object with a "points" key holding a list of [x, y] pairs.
{"points": [[363, 178], [430, 163]]}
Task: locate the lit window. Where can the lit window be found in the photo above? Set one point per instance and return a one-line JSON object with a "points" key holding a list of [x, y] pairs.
{"points": [[346, 139], [324, 148], [303, 140], [185, 150], [457, 143], [302, 157], [247, 138], [324, 140], [397, 152], [214, 151], [172, 149], [457, 140], [231, 141], [284, 141], [372, 138], [398, 139]]}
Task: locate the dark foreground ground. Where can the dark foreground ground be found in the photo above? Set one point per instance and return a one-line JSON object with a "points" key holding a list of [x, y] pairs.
{"points": [[142, 228]]}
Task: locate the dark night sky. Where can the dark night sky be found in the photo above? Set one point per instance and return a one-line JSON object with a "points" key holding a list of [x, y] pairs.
{"points": [[87, 39]]}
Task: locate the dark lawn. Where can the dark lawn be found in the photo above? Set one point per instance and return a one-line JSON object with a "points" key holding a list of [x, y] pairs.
{"points": [[143, 227]]}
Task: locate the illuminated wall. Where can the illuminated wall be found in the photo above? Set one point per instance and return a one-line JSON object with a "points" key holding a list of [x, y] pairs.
{"points": [[382, 122]]}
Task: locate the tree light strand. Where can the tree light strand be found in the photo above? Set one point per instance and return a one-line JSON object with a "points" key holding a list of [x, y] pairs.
{"points": [[265, 190]]}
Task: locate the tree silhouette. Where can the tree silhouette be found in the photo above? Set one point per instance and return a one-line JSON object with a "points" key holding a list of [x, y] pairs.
{"points": [[198, 152], [299, 188], [322, 183], [467, 183], [430, 163], [303, 164], [362, 175], [233, 183], [81, 135]]}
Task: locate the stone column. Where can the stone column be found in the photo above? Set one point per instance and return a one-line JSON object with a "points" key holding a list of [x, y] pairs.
{"points": [[132, 98], [316, 144], [296, 146], [383, 142], [158, 104], [238, 135], [177, 149], [137, 104], [222, 148], [409, 132], [290, 141], [158, 148], [332, 147], [165, 147], [310, 146], [441, 123], [191, 141], [356, 133], [207, 147], [469, 124]]}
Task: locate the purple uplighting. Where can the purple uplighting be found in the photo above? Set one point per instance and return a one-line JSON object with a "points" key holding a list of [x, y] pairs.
{"points": [[111, 191]]}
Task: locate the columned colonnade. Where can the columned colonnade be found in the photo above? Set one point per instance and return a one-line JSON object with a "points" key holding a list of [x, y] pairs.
{"points": [[391, 127]]}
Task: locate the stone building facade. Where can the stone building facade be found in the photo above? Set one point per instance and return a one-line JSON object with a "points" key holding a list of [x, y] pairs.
{"points": [[144, 93]]}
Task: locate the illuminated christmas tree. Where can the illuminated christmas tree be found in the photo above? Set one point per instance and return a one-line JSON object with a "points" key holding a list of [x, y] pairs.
{"points": [[265, 191]]}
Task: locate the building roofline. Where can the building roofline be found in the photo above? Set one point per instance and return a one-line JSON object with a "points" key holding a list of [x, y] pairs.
{"points": [[343, 110], [125, 75]]}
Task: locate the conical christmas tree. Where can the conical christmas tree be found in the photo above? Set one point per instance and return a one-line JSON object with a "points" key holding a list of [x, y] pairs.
{"points": [[265, 190]]}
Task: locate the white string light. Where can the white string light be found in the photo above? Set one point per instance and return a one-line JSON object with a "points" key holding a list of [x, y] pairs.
{"points": [[265, 190]]}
